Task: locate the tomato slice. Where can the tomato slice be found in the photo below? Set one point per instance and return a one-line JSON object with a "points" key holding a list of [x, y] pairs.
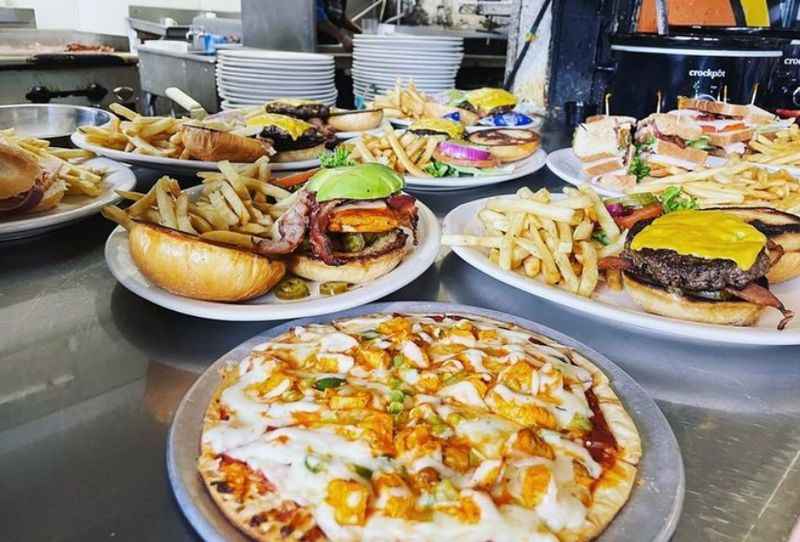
{"points": [[293, 180]]}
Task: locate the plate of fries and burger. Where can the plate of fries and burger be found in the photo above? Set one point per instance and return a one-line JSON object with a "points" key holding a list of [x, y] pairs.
{"points": [[291, 133], [44, 187], [242, 246], [477, 109], [436, 154], [666, 262]]}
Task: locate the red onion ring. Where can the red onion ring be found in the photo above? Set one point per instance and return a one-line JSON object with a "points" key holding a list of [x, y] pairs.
{"points": [[463, 152]]}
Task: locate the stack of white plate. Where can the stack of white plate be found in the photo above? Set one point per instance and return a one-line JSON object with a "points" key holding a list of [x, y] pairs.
{"points": [[382, 60], [248, 77]]}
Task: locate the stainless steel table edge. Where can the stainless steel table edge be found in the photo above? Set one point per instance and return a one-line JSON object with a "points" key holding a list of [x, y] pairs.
{"points": [[660, 472]]}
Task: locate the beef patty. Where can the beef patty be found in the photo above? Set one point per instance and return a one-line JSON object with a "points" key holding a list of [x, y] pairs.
{"points": [[282, 141], [303, 111], [673, 270]]}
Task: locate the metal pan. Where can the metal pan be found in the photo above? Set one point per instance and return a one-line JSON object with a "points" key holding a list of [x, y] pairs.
{"points": [[651, 513], [51, 121]]}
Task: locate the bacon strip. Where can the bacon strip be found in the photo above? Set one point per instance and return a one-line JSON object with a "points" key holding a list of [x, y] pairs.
{"points": [[291, 227], [753, 293], [321, 244], [614, 262], [406, 206]]}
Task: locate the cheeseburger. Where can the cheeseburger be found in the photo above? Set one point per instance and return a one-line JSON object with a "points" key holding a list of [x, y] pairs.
{"points": [[433, 127], [27, 185], [706, 266], [348, 224], [487, 101], [293, 139]]}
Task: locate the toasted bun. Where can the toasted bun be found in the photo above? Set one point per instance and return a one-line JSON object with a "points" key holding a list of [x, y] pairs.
{"points": [[357, 121], [787, 268], [616, 120], [188, 266], [355, 272], [299, 155], [52, 196], [213, 145], [19, 171], [521, 143], [659, 301], [437, 110]]}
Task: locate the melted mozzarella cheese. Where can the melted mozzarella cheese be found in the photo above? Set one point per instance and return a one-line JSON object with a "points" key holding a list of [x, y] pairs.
{"points": [[414, 354], [464, 392], [574, 450], [337, 342]]}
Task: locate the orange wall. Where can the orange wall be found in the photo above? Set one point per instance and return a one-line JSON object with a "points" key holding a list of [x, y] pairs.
{"points": [[688, 12]]}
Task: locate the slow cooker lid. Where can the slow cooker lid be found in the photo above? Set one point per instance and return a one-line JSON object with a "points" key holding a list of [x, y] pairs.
{"points": [[706, 44]]}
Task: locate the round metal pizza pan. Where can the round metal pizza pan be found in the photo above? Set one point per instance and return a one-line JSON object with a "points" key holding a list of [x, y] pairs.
{"points": [[651, 513]]}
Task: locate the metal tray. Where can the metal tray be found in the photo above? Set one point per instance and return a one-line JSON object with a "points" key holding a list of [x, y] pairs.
{"points": [[651, 513]]}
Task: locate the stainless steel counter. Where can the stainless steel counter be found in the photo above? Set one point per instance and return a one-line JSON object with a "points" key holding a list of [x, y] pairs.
{"points": [[90, 376]]}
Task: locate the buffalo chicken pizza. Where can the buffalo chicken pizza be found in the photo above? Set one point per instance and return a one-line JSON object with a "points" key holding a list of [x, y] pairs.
{"points": [[417, 427]]}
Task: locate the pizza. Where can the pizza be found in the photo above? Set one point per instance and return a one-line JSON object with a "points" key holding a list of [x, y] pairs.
{"points": [[417, 427]]}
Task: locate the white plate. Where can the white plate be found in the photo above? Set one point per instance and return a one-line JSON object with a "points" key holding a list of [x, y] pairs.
{"points": [[275, 56], [411, 73], [243, 95], [313, 88], [529, 165], [277, 69], [174, 165], [290, 91], [618, 307], [566, 165], [353, 135], [278, 65], [268, 307], [71, 208], [257, 76]]}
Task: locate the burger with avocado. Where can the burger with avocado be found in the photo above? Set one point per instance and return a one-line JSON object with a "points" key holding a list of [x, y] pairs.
{"points": [[293, 139], [349, 224], [701, 265]]}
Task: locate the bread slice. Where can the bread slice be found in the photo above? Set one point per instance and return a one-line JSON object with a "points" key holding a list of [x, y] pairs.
{"points": [[666, 152], [603, 166], [674, 125], [601, 138], [750, 113], [720, 139]]}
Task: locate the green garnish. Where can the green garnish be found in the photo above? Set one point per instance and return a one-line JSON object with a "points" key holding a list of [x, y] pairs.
{"points": [[397, 396], [328, 382], [579, 422], [638, 167], [395, 408], [364, 472], [601, 237], [339, 157], [675, 199], [314, 464], [438, 169], [399, 361], [702, 143]]}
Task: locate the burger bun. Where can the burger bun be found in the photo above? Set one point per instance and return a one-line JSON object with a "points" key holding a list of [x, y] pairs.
{"points": [[188, 266], [357, 121], [659, 301], [19, 171], [507, 144], [355, 272], [300, 155], [214, 145]]}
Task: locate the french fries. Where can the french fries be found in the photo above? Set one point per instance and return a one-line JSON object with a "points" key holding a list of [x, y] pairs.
{"points": [[402, 102], [232, 206], [742, 183], [781, 147], [548, 238], [65, 164], [155, 136], [404, 152]]}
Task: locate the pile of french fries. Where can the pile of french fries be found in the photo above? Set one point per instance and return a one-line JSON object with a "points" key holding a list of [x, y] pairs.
{"points": [[66, 164], [233, 207], [399, 103], [780, 148], [155, 136], [740, 183], [405, 153], [549, 238]]}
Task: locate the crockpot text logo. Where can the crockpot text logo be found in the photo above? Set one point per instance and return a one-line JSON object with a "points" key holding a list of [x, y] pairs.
{"points": [[791, 61], [708, 72]]}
